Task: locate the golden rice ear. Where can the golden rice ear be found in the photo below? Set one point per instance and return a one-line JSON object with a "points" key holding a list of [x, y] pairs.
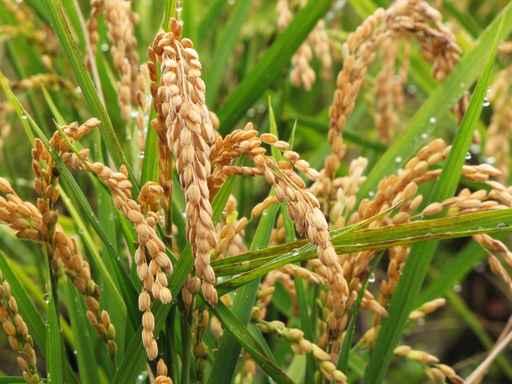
{"points": [[404, 18], [189, 132], [317, 44], [304, 210], [497, 149], [120, 21], [301, 345], [19, 338]]}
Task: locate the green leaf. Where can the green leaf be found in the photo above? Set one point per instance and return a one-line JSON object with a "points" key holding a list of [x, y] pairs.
{"points": [[54, 345], [344, 356], [87, 365], [77, 65], [69, 184], [225, 45], [25, 305], [226, 357], [189, 16], [464, 18], [135, 355], [150, 163], [452, 271], [169, 11], [269, 68], [258, 263], [417, 265], [349, 134], [211, 17], [11, 379], [439, 102], [110, 293], [221, 198], [306, 306], [363, 7], [238, 330]]}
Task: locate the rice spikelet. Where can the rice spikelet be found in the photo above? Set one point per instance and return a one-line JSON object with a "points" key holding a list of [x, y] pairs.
{"points": [[190, 133]]}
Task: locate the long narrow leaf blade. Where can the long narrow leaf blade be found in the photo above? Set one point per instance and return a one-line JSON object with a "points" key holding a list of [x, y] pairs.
{"points": [[417, 264], [229, 350], [91, 97], [269, 68], [441, 100]]}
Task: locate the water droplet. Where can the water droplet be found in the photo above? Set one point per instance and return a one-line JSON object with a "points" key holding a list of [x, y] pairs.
{"points": [[468, 156], [424, 136], [412, 89], [24, 117], [432, 120], [371, 278], [104, 47], [398, 159], [371, 194], [295, 253], [462, 85], [141, 154], [231, 2], [78, 90], [486, 102], [75, 352], [457, 288], [490, 160], [501, 225], [134, 114]]}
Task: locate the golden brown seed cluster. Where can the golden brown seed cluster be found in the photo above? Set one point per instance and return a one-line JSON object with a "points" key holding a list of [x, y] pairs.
{"points": [[231, 231], [495, 147], [317, 44], [182, 113], [25, 24], [120, 22], [21, 216], [47, 80], [304, 208], [286, 276], [389, 88], [301, 345], [437, 372], [161, 373], [405, 18], [17, 334], [62, 249], [153, 264]]}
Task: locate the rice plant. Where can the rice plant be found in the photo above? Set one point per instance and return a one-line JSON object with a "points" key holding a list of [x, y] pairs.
{"points": [[261, 191]]}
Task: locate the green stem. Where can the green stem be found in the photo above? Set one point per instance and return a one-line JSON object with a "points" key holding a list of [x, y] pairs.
{"points": [[186, 332]]}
